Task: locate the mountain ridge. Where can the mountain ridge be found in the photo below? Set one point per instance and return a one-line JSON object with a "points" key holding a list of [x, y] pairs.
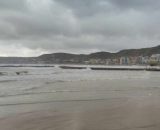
{"points": [[79, 58]]}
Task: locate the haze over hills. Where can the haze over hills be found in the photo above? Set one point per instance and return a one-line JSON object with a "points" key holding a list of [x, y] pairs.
{"points": [[79, 58]]}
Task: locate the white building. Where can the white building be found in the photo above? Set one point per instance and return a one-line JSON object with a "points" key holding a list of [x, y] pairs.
{"points": [[155, 57]]}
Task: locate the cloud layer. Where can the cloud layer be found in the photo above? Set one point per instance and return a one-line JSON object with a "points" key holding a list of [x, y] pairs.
{"points": [[34, 27]]}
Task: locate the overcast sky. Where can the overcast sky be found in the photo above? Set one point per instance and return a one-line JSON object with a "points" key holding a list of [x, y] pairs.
{"points": [[34, 27]]}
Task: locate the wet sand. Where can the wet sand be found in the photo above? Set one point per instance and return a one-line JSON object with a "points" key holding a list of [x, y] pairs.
{"points": [[122, 107]]}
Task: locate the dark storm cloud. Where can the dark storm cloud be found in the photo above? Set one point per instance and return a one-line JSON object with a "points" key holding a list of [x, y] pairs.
{"points": [[12, 4], [41, 26], [137, 4], [84, 8]]}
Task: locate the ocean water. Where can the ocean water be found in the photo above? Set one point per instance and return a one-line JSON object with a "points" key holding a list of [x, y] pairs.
{"points": [[19, 80], [24, 89]]}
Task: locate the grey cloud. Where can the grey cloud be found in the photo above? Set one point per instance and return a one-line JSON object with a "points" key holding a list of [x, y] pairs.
{"points": [[150, 5], [12, 5], [54, 21], [78, 25], [87, 8]]}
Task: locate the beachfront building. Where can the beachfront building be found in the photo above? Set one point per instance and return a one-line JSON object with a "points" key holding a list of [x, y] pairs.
{"points": [[116, 61], [108, 61], [97, 61], [124, 61], [145, 60], [133, 60], [93, 61], [155, 58], [140, 60]]}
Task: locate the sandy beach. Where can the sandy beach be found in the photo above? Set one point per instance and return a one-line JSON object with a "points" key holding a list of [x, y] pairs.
{"points": [[109, 105]]}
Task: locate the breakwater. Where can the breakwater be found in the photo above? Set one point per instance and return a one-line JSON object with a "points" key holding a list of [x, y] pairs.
{"points": [[113, 68], [72, 67]]}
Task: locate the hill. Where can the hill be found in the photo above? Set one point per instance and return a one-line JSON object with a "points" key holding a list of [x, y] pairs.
{"points": [[140, 52], [78, 58]]}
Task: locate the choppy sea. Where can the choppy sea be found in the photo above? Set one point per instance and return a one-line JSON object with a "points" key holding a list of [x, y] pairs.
{"points": [[31, 85]]}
